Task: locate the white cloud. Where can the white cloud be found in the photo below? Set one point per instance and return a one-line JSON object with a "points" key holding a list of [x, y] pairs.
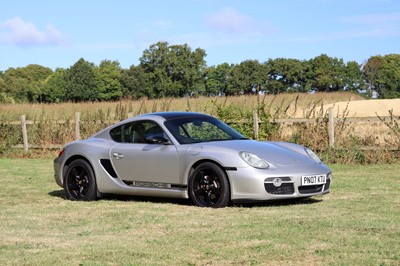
{"points": [[230, 21], [25, 34]]}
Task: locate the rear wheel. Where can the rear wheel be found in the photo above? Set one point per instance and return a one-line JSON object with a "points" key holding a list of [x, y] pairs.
{"points": [[80, 182], [209, 186]]}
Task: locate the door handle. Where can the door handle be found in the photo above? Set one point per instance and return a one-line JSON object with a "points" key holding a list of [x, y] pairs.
{"points": [[118, 155]]}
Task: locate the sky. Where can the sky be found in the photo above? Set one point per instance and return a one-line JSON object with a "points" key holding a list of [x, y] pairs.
{"points": [[58, 33]]}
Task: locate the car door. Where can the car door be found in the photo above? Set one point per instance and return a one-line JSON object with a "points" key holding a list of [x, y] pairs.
{"points": [[135, 160]]}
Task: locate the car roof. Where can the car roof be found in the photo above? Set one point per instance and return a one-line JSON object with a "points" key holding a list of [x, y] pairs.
{"points": [[174, 115]]}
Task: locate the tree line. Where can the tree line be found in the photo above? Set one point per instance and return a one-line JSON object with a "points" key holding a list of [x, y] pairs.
{"points": [[177, 71]]}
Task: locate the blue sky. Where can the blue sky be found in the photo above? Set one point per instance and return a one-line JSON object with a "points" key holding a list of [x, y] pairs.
{"points": [[58, 33]]}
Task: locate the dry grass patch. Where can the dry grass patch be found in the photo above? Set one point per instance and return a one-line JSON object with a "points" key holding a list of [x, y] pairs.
{"points": [[367, 108], [207, 105]]}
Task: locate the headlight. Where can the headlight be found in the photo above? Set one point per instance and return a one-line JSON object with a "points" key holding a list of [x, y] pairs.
{"points": [[312, 155], [253, 160]]}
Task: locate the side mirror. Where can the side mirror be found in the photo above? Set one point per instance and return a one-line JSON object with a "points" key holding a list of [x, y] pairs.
{"points": [[157, 140]]}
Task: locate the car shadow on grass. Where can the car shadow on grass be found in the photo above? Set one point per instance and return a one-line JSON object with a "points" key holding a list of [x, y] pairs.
{"points": [[159, 200], [57, 194], [277, 203], [188, 202], [115, 197]]}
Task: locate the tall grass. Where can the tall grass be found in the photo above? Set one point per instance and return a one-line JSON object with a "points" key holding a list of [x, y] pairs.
{"points": [[116, 110], [236, 111]]}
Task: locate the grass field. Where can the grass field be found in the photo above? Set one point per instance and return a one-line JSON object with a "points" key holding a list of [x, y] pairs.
{"points": [[358, 223]]}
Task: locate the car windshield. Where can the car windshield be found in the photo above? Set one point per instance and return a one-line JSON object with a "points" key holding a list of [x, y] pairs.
{"points": [[201, 129]]}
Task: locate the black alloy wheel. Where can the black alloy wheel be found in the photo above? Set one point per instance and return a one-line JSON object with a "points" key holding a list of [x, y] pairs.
{"points": [[209, 186], [79, 181]]}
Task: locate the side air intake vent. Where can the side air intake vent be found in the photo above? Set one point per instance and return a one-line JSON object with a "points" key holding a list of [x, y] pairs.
{"points": [[108, 167]]}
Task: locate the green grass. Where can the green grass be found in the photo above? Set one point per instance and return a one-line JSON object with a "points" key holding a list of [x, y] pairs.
{"points": [[358, 223]]}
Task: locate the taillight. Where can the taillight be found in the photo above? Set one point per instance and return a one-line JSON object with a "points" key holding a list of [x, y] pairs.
{"points": [[61, 152]]}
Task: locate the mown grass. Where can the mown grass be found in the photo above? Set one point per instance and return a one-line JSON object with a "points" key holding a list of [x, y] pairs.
{"points": [[358, 223]]}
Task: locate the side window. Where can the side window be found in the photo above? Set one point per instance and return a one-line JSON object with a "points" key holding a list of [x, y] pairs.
{"points": [[136, 132]]}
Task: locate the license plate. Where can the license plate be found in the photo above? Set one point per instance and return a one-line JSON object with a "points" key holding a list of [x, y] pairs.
{"points": [[310, 180]]}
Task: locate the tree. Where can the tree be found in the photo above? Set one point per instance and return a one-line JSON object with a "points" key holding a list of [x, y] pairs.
{"points": [[382, 74], [3, 85], [109, 76], [4, 97], [55, 87], [285, 75], [216, 81], [82, 83], [154, 63], [174, 70], [135, 83], [191, 70], [247, 77], [25, 83], [326, 73], [352, 78]]}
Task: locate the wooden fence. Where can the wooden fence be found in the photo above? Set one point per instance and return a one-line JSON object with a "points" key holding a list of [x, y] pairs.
{"points": [[331, 120]]}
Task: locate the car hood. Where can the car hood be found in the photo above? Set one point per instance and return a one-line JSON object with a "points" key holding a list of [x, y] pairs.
{"points": [[276, 153]]}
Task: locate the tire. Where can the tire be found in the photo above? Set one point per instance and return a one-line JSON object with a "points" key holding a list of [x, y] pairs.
{"points": [[209, 186], [80, 182]]}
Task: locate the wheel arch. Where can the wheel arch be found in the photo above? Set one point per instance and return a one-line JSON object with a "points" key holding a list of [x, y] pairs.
{"points": [[209, 161], [74, 158], [80, 157]]}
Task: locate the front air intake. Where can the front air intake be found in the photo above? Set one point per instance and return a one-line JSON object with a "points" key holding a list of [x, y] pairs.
{"points": [[282, 185]]}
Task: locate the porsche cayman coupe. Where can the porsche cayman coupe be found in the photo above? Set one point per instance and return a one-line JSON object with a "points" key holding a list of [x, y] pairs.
{"points": [[187, 155]]}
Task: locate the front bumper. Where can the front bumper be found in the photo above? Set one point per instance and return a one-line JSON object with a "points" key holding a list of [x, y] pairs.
{"points": [[258, 184]]}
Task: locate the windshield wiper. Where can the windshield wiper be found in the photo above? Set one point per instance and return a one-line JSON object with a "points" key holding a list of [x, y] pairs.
{"points": [[225, 139], [210, 140]]}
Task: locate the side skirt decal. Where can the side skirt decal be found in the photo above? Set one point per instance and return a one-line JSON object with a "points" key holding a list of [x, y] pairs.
{"points": [[146, 184]]}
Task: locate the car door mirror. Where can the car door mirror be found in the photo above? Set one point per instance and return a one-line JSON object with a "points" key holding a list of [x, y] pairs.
{"points": [[157, 140]]}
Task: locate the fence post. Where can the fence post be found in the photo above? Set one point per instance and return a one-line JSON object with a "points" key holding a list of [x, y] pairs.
{"points": [[77, 125], [24, 133], [331, 127], [255, 124]]}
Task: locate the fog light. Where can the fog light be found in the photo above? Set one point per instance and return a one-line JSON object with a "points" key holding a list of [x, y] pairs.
{"points": [[277, 182]]}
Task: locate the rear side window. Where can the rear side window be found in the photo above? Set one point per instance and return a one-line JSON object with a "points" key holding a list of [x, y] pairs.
{"points": [[116, 134]]}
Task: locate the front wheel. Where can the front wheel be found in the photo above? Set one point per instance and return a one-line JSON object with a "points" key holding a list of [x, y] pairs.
{"points": [[80, 182], [209, 186]]}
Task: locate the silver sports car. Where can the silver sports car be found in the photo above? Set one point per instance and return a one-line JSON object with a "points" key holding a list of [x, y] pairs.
{"points": [[187, 155]]}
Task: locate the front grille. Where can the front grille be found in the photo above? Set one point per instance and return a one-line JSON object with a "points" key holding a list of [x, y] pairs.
{"points": [[310, 189], [284, 189], [283, 178]]}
